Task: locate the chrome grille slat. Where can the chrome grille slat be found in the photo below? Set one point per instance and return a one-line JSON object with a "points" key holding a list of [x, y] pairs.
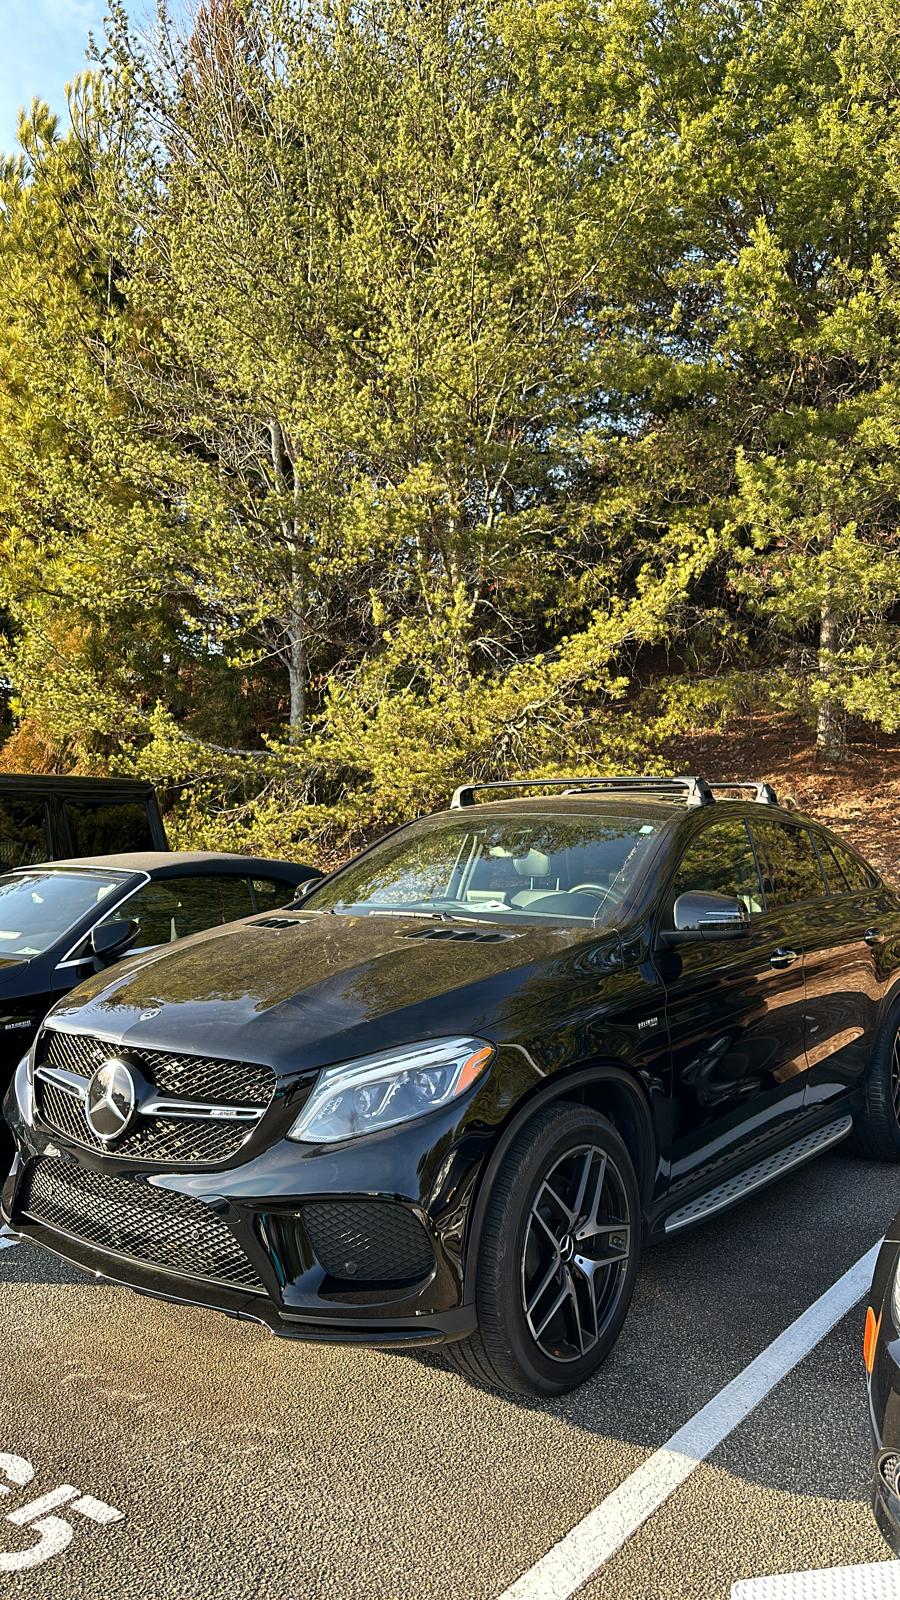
{"points": [[179, 1140]]}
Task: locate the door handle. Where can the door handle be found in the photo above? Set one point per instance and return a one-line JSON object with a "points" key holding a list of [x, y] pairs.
{"points": [[872, 935], [783, 957]]}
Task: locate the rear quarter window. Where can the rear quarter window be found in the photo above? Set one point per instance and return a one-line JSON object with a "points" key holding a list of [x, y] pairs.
{"points": [[271, 893], [853, 874]]}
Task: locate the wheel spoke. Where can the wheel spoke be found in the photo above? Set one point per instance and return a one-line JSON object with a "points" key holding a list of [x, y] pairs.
{"points": [[576, 1309], [590, 1296], [558, 1202], [578, 1204], [551, 1273], [536, 1217], [563, 1295]]}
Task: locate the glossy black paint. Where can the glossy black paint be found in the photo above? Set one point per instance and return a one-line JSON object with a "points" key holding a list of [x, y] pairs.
{"points": [[29, 988], [884, 1385], [698, 1053]]}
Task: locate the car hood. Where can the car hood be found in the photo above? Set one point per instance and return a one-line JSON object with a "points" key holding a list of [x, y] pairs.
{"points": [[304, 990]]}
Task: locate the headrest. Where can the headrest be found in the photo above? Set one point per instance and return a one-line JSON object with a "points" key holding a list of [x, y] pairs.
{"points": [[534, 865]]}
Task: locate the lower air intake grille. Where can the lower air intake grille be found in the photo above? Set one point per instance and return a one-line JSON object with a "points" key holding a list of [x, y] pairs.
{"points": [[368, 1241], [132, 1218]]}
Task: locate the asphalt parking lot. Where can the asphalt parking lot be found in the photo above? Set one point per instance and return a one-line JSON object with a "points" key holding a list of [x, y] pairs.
{"points": [[243, 1466]]}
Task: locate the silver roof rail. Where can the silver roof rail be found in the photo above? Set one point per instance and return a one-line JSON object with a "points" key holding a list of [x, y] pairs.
{"points": [[694, 791]]}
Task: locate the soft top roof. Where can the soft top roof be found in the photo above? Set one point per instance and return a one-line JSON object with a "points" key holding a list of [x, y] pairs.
{"points": [[172, 864]]}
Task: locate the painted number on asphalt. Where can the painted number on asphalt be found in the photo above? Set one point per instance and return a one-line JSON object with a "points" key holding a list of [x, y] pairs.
{"points": [[48, 1534]]}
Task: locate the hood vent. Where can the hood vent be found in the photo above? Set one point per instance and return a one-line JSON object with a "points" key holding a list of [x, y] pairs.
{"points": [[277, 922], [466, 935]]}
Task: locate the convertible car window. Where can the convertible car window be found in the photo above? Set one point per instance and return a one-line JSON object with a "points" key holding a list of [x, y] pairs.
{"points": [[37, 908], [569, 869], [170, 908]]}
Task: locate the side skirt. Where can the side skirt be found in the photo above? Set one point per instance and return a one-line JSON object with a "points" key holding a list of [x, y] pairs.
{"points": [[766, 1169]]}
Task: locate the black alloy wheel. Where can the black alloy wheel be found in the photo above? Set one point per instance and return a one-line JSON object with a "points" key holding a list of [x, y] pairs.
{"points": [[558, 1256], [577, 1243]]}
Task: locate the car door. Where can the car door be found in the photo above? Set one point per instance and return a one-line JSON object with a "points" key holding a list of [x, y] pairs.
{"points": [[734, 1011], [841, 967]]}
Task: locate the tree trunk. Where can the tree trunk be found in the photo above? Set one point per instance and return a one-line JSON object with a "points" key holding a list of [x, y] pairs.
{"points": [[296, 669], [830, 734], [297, 664]]}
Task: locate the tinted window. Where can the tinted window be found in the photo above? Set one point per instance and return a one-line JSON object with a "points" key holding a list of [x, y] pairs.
{"points": [[851, 872], [270, 894], [573, 868], [721, 861], [790, 864], [173, 907], [23, 837], [38, 908], [105, 828]]}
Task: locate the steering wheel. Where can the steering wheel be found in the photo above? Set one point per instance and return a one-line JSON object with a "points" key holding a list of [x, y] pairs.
{"points": [[590, 888]]}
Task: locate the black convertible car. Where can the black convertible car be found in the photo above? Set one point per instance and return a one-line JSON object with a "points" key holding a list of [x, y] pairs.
{"points": [[447, 1098], [63, 920]]}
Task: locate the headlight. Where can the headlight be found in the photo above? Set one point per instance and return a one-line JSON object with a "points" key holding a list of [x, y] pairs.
{"points": [[895, 1297], [380, 1091]]}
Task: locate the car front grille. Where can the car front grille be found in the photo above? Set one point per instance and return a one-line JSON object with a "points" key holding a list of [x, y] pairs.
{"points": [[130, 1217], [156, 1138]]}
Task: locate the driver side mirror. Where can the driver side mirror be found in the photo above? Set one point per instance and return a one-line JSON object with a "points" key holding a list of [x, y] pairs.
{"points": [[305, 888], [109, 940], [698, 915]]}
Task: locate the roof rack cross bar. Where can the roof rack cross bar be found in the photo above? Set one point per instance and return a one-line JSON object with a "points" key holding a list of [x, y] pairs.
{"points": [[696, 791], [762, 793]]}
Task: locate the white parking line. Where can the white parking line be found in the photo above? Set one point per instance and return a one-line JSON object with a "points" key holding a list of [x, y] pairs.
{"points": [[878, 1580], [604, 1530]]}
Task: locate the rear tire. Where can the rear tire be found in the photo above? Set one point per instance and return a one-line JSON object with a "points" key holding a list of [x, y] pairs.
{"points": [[558, 1256], [876, 1128]]}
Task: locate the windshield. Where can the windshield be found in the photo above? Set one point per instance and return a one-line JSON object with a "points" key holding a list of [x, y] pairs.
{"points": [[563, 869], [38, 908]]}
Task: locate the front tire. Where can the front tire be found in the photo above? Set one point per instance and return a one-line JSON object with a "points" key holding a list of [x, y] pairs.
{"points": [[876, 1128], [558, 1256]]}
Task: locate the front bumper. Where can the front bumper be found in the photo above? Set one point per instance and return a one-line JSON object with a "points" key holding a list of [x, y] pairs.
{"points": [[278, 1222]]}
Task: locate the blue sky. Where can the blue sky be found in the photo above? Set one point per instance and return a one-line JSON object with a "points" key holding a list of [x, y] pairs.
{"points": [[42, 45]]}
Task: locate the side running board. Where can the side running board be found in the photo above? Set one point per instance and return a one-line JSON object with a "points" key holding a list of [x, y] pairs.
{"points": [[759, 1174]]}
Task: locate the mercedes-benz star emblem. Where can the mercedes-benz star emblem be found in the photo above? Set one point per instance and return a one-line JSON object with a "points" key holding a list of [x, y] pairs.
{"points": [[111, 1100]]}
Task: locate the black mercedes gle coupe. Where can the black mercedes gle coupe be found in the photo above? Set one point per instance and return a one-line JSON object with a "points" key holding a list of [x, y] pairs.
{"points": [[448, 1096]]}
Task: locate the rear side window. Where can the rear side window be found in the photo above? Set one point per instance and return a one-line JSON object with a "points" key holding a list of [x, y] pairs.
{"points": [[23, 833], [847, 873], [106, 828], [270, 894], [790, 865], [721, 861]]}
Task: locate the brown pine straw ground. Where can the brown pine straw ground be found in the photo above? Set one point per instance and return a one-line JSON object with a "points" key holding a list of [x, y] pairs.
{"points": [[859, 799]]}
